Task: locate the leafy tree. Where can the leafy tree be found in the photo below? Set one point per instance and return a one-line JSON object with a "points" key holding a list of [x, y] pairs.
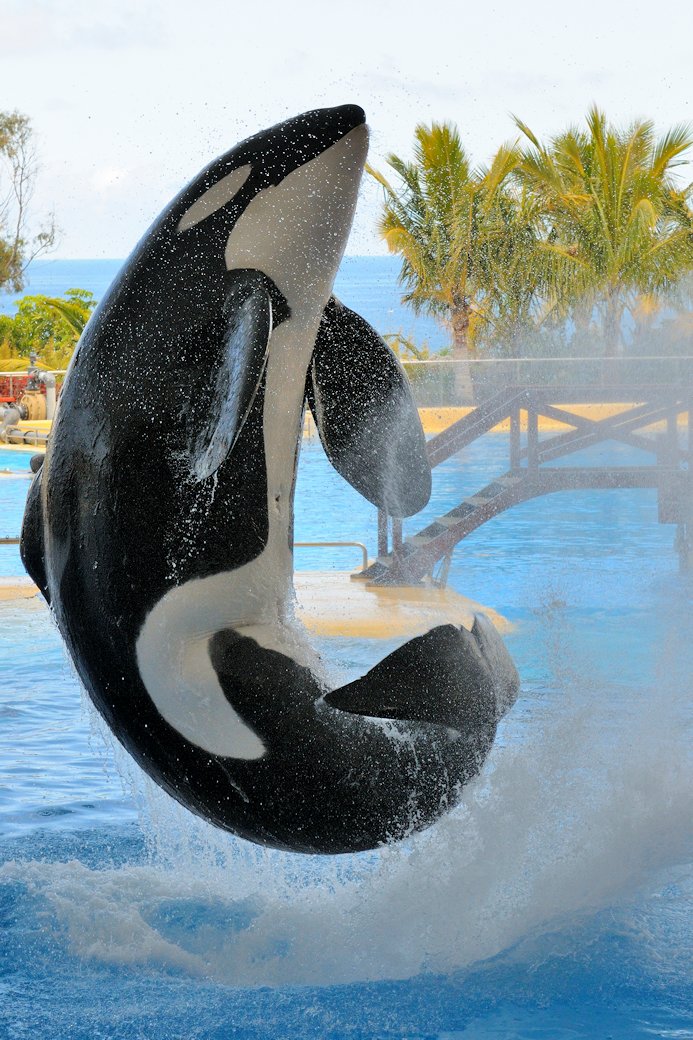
{"points": [[405, 348], [18, 171], [615, 230], [453, 226], [47, 326]]}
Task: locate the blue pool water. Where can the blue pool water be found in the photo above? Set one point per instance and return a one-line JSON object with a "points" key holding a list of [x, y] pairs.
{"points": [[554, 903]]}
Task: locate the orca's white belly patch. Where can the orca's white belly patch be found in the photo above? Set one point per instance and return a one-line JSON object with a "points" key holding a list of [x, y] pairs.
{"points": [[255, 599], [176, 669]]}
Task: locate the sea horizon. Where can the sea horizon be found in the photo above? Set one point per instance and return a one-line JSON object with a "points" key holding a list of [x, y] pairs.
{"points": [[366, 283]]}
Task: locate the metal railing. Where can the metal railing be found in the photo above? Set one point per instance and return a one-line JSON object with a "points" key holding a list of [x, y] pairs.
{"points": [[297, 545], [449, 383], [336, 545]]}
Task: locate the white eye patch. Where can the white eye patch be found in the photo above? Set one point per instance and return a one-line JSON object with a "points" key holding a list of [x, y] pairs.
{"points": [[215, 197]]}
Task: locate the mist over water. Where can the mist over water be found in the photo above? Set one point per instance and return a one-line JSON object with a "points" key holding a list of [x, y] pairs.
{"points": [[584, 803], [562, 880]]}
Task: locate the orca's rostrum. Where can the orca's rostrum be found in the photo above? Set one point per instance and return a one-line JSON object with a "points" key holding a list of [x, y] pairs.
{"points": [[160, 525]]}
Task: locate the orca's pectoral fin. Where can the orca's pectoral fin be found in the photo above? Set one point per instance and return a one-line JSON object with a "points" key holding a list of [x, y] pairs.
{"points": [[270, 691], [446, 676], [31, 546], [248, 315], [365, 413]]}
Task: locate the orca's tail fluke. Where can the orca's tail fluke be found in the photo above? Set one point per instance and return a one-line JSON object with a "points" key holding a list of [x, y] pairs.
{"points": [[461, 679], [376, 759]]}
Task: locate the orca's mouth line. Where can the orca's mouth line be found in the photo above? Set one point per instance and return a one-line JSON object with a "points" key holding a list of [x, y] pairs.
{"points": [[308, 137]]}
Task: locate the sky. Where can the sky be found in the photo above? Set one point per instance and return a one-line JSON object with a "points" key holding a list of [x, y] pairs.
{"points": [[130, 99]]}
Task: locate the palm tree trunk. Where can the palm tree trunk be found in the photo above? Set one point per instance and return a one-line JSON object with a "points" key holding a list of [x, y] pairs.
{"points": [[613, 316], [462, 353]]}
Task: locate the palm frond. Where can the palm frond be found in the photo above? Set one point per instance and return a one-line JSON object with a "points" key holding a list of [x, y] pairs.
{"points": [[674, 143], [73, 315]]}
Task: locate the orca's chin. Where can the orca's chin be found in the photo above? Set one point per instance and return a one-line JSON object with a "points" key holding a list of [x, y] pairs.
{"points": [[351, 114]]}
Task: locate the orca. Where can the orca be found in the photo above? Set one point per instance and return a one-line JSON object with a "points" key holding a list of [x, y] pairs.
{"points": [[160, 526]]}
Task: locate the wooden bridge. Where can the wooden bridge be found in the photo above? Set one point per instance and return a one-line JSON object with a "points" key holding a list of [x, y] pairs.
{"points": [[653, 424]]}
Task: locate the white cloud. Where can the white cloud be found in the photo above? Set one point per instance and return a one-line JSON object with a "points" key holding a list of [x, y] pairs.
{"points": [[105, 178], [130, 99], [36, 26]]}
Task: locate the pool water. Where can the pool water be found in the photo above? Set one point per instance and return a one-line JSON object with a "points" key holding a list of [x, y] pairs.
{"points": [[554, 902]]}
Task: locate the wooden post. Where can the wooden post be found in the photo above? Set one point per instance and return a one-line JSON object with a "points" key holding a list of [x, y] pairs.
{"points": [[382, 533], [515, 438], [672, 437], [396, 534], [684, 531], [532, 437]]}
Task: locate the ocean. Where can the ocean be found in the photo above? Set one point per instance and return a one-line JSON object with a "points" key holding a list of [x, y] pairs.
{"points": [[367, 284]]}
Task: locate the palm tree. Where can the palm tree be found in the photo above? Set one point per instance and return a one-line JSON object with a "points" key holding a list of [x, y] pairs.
{"points": [[514, 272], [614, 226], [448, 221], [74, 311]]}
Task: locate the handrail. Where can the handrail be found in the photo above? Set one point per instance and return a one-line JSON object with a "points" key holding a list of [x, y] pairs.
{"points": [[297, 545], [319, 545], [22, 373], [564, 361]]}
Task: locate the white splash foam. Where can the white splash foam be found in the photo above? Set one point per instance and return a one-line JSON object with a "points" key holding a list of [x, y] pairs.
{"points": [[564, 821]]}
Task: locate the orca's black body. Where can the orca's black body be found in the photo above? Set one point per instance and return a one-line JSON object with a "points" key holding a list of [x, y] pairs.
{"points": [[159, 527]]}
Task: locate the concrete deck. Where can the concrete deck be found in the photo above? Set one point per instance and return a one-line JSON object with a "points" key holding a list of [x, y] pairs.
{"points": [[330, 603], [434, 420]]}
